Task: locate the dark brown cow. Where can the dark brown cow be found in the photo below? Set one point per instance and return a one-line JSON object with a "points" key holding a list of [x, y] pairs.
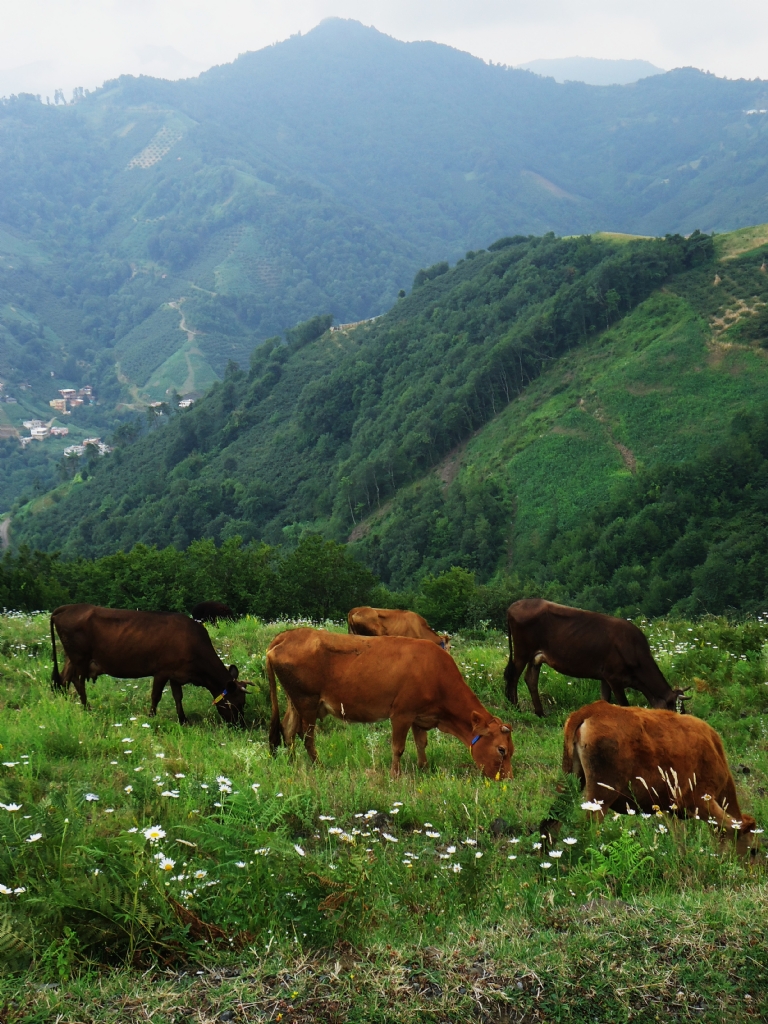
{"points": [[367, 679], [366, 621], [212, 611], [170, 647], [586, 645], [635, 758]]}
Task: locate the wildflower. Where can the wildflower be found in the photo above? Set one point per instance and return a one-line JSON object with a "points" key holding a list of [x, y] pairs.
{"points": [[240, 864], [335, 831], [223, 780], [171, 792], [395, 810], [469, 842], [200, 874], [11, 807], [557, 854], [326, 817], [11, 764], [160, 755], [153, 833], [756, 831], [109, 810], [433, 835], [262, 852], [179, 775], [545, 864], [278, 794], [450, 849], [646, 816], [91, 797], [570, 841], [6, 891], [255, 786], [663, 829], [537, 846], [145, 725], [217, 804], [225, 789], [346, 838], [203, 785], [456, 868], [631, 810], [389, 838], [117, 725], [512, 856], [126, 739], [19, 890], [443, 856], [165, 863], [428, 824], [397, 803], [592, 805], [478, 854], [299, 850], [128, 789], [134, 829], [34, 837]]}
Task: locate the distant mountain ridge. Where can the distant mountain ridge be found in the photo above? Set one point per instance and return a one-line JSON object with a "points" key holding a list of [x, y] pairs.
{"points": [[592, 70], [315, 176]]}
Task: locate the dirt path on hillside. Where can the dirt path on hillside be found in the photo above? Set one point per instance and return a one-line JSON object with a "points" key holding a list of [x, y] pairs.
{"points": [[5, 533]]}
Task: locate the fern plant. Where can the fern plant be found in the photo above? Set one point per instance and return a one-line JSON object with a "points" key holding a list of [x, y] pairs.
{"points": [[617, 864]]}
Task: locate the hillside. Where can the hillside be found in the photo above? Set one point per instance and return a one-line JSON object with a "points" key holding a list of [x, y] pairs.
{"points": [[152, 231], [486, 416]]}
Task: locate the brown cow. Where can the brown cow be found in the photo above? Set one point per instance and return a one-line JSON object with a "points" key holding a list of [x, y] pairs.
{"points": [[212, 611], [635, 758], [165, 645], [367, 679], [394, 622], [586, 645]]}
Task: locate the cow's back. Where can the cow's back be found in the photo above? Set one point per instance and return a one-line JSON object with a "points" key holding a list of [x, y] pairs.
{"points": [[132, 644], [365, 673]]}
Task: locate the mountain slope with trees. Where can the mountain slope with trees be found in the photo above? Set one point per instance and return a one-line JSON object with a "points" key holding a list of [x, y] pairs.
{"points": [[153, 231]]}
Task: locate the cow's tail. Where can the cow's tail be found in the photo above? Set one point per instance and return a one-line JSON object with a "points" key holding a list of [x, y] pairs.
{"points": [[56, 680], [275, 727], [571, 763]]}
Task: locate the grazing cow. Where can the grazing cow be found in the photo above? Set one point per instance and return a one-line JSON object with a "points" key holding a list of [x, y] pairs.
{"points": [[635, 758], [212, 611], [394, 622], [367, 679], [170, 647], [586, 645]]}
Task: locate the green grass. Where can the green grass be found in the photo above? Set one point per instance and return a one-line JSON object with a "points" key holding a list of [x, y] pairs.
{"points": [[357, 927]]}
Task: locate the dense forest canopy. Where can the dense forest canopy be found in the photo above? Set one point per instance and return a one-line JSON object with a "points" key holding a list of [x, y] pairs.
{"points": [[153, 231]]}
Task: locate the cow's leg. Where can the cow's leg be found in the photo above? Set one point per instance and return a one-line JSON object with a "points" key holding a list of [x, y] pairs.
{"points": [[512, 673], [78, 681], [532, 682], [609, 690], [158, 685], [176, 692], [400, 727], [420, 739]]}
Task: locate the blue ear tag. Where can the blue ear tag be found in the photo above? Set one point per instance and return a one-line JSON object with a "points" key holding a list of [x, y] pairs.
{"points": [[474, 741]]}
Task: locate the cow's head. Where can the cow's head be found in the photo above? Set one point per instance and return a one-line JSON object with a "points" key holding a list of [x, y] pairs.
{"points": [[231, 700], [673, 701], [445, 642], [492, 746]]}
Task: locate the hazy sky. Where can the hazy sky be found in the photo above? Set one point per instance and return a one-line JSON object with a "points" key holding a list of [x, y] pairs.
{"points": [[45, 44]]}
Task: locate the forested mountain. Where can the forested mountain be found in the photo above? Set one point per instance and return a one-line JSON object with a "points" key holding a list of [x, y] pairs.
{"points": [[484, 422], [152, 231]]}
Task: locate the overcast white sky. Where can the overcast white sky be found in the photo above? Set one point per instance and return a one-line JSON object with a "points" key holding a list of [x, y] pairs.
{"points": [[46, 44]]}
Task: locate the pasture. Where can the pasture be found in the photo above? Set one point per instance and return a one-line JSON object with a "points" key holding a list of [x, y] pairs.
{"points": [[150, 871]]}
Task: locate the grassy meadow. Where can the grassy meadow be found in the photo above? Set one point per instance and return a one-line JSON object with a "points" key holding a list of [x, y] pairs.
{"points": [[149, 871]]}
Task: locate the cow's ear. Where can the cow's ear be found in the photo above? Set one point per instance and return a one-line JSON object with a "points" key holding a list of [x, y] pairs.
{"points": [[479, 727], [233, 671]]}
